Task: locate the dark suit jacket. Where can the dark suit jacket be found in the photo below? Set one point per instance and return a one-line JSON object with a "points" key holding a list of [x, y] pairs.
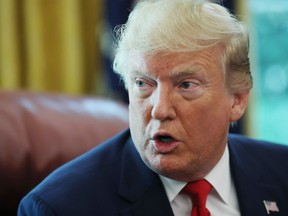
{"points": [[112, 180]]}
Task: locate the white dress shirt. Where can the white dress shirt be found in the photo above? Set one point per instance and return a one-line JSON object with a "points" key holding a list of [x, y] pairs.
{"points": [[221, 201]]}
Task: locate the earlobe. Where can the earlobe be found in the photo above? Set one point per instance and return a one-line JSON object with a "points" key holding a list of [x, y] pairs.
{"points": [[239, 105]]}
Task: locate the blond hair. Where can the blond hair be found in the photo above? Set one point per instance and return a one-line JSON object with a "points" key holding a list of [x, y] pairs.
{"points": [[184, 26]]}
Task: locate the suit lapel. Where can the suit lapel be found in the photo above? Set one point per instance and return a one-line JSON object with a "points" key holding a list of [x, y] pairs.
{"points": [[141, 187], [144, 190], [249, 179]]}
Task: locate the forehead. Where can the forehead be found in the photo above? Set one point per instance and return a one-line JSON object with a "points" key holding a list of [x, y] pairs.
{"points": [[170, 63]]}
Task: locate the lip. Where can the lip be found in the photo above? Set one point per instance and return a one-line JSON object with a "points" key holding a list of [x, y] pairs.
{"points": [[164, 147]]}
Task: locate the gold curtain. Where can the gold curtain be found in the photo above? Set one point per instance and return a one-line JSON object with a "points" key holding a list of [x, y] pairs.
{"points": [[50, 45]]}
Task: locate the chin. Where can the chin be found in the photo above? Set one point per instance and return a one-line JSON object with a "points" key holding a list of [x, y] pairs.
{"points": [[166, 166]]}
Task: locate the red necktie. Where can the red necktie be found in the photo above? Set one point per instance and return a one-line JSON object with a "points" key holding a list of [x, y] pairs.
{"points": [[198, 192]]}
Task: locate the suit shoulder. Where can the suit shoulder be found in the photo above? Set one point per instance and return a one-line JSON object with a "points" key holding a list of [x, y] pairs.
{"points": [[247, 142], [97, 169], [87, 183], [263, 151]]}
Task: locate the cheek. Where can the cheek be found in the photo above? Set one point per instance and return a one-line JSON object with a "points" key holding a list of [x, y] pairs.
{"points": [[206, 116], [138, 115], [138, 126], [134, 114]]}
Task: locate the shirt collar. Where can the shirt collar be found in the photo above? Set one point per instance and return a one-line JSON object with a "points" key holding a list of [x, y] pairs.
{"points": [[172, 187], [219, 177]]}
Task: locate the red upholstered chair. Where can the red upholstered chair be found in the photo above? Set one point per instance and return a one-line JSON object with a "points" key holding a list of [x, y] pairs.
{"points": [[39, 132]]}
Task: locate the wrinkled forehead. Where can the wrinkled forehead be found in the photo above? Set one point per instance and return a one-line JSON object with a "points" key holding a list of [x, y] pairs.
{"points": [[175, 62]]}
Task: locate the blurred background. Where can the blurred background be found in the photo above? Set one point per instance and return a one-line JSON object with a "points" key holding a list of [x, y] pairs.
{"points": [[66, 46]]}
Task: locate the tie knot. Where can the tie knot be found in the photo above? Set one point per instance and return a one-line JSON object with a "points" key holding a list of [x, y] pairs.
{"points": [[198, 191]]}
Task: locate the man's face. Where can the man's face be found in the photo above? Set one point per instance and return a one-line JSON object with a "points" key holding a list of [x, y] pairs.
{"points": [[180, 110]]}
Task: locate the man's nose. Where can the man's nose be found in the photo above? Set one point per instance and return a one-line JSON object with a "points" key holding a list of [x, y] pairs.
{"points": [[163, 105]]}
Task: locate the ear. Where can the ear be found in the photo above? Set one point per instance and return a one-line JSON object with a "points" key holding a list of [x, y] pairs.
{"points": [[239, 105]]}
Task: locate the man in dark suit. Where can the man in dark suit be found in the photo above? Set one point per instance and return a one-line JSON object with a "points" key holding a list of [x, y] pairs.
{"points": [[186, 67]]}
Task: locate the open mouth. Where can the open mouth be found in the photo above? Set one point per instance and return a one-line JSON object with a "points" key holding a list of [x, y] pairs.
{"points": [[165, 139], [163, 143]]}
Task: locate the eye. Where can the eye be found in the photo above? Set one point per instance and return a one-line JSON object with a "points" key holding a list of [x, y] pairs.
{"points": [[142, 87], [188, 85], [144, 82], [190, 89], [140, 83]]}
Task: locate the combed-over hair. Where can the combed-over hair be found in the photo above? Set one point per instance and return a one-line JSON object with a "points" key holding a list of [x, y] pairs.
{"points": [[172, 26]]}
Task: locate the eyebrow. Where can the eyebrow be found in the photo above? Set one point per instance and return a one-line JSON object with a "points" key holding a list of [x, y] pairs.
{"points": [[175, 74], [135, 73], [186, 73]]}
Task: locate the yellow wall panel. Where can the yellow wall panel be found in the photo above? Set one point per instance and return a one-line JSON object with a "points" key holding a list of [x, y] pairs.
{"points": [[72, 46], [50, 45], [9, 46], [34, 52]]}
